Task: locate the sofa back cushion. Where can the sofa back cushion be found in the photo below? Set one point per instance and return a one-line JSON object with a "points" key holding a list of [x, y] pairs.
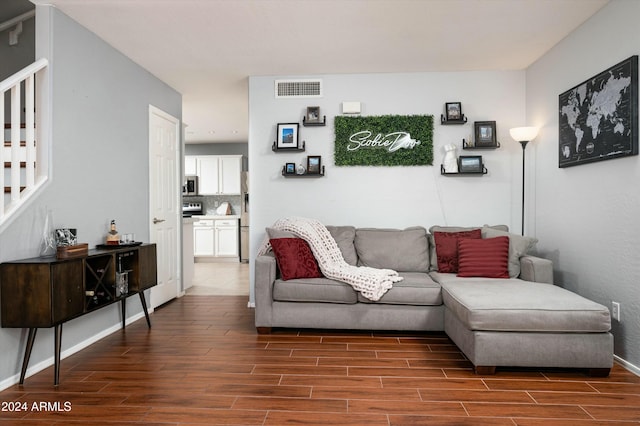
{"points": [[404, 250], [344, 236]]}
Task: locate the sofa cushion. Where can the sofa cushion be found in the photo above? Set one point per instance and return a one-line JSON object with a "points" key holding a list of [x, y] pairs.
{"points": [[313, 290], [401, 250], [416, 288], [490, 304], [294, 258], [447, 248], [344, 236], [487, 258], [432, 245], [518, 247]]}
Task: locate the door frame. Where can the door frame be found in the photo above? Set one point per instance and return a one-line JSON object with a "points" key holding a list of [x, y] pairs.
{"points": [[153, 110]]}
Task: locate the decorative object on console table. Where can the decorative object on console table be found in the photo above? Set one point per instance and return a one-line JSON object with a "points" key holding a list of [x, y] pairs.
{"points": [[485, 133], [524, 135], [67, 244], [313, 117], [453, 114], [113, 238], [287, 136], [598, 119]]}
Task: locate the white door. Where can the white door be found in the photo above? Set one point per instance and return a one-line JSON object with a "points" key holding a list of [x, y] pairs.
{"points": [[164, 202]]}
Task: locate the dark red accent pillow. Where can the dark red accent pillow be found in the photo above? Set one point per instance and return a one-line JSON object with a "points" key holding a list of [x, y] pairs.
{"points": [[447, 248], [294, 258], [488, 258]]}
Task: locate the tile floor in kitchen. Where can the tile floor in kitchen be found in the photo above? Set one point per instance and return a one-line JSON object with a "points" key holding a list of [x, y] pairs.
{"points": [[220, 279]]}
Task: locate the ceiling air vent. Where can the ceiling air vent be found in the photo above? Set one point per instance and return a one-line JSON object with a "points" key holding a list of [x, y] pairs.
{"points": [[298, 88]]}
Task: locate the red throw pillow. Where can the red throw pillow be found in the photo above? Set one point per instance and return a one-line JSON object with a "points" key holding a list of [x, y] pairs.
{"points": [[447, 248], [294, 258], [488, 258]]}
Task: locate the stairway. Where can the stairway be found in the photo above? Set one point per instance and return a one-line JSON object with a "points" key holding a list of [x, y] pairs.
{"points": [[22, 157]]}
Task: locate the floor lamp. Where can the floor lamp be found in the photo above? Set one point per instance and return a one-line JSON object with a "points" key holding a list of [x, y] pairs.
{"points": [[524, 135]]}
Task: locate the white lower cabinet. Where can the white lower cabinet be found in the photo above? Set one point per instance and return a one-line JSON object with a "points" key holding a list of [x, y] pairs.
{"points": [[215, 238]]}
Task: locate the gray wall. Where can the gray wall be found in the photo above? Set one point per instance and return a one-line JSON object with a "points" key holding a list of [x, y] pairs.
{"points": [[219, 149], [100, 103], [586, 217]]}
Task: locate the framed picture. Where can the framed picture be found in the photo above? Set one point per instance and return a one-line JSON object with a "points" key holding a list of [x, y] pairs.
{"points": [[453, 110], [313, 114], [290, 168], [314, 164], [287, 136], [470, 164], [485, 133], [598, 118]]}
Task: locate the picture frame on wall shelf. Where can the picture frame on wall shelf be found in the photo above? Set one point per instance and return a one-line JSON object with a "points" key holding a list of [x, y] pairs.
{"points": [[313, 114], [314, 164], [470, 164], [287, 136], [485, 133], [290, 168], [453, 111]]}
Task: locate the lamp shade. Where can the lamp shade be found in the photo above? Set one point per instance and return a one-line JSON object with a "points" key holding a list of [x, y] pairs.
{"points": [[524, 134]]}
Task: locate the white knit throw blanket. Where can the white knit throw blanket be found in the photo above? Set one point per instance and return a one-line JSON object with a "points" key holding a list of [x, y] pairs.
{"points": [[372, 283]]}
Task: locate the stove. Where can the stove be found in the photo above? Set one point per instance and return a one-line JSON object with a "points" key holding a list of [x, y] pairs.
{"points": [[191, 209]]}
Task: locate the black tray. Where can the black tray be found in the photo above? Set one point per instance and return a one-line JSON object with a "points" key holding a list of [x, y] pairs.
{"points": [[117, 246]]}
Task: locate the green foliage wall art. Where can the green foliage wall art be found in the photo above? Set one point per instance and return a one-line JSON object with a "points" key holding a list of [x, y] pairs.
{"points": [[386, 140]]}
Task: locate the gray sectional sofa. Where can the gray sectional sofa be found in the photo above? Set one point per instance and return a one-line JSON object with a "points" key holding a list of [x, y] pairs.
{"points": [[520, 321]]}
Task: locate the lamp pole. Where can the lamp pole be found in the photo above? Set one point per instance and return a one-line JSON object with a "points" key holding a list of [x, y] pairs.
{"points": [[523, 135], [524, 145]]}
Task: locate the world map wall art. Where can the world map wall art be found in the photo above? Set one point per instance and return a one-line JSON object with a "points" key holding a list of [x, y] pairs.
{"points": [[599, 117]]}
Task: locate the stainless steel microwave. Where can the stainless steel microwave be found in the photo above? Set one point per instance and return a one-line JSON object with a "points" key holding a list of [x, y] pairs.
{"points": [[190, 186]]}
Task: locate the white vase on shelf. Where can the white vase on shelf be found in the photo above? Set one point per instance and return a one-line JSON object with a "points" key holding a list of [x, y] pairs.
{"points": [[450, 162]]}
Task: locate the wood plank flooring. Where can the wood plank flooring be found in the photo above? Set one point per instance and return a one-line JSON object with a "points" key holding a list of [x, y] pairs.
{"points": [[203, 363]]}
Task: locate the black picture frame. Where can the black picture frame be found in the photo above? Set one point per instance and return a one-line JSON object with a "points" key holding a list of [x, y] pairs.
{"points": [[313, 114], [598, 118], [485, 133], [470, 164], [290, 168], [453, 111], [314, 164], [287, 136]]}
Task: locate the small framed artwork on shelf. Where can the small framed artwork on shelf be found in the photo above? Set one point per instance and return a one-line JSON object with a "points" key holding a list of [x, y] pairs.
{"points": [[287, 136], [290, 168], [313, 114], [314, 164], [485, 132], [453, 111], [470, 164]]}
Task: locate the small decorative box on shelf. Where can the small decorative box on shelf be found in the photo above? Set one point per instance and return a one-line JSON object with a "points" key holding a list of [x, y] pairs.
{"points": [[301, 148]]}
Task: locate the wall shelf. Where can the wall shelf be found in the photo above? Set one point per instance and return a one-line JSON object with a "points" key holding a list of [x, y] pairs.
{"points": [[304, 175], [275, 148], [445, 122], [314, 123], [466, 145], [482, 173]]}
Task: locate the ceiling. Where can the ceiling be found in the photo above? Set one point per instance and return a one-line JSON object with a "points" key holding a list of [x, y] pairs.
{"points": [[207, 49]]}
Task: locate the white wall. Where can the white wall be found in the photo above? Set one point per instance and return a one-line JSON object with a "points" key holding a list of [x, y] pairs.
{"points": [[388, 196], [100, 165], [587, 217]]}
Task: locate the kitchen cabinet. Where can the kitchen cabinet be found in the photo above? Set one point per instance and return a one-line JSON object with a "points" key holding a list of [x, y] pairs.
{"points": [[217, 174], [215, 238]]}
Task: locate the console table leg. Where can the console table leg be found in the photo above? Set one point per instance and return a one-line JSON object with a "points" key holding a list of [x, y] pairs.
{"points": [[27, 353], [144, 307], [58, 344], [123, 306]]}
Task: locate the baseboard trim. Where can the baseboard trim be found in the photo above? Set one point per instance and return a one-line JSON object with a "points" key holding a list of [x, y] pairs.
{"points": [[627, 365], [251, 305], [10, 381]]}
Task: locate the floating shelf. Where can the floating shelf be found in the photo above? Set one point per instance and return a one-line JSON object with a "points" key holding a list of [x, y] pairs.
{"points": [[304, 175], [275, 148], [314, 123], [465, 145], [444, 121], [482, 173]]}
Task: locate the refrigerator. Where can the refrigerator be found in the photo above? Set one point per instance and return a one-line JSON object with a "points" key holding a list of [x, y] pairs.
{"points": [[244, 218]]}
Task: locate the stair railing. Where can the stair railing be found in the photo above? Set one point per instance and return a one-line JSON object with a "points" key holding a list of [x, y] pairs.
{"points": [[32, 158]]}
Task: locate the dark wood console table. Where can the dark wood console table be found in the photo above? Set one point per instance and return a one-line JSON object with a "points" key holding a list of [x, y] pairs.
{"points": [[45, 292]]}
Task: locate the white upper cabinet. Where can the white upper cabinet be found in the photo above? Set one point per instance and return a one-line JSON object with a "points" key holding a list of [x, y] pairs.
{"points": [[217, 174]]}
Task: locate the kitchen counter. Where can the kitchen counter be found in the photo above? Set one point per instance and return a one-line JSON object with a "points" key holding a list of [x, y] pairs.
{"points": [[209, 217]]}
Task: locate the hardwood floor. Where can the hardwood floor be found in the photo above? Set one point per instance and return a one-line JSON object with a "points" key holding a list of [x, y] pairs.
{"points": [[203, 363]]}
